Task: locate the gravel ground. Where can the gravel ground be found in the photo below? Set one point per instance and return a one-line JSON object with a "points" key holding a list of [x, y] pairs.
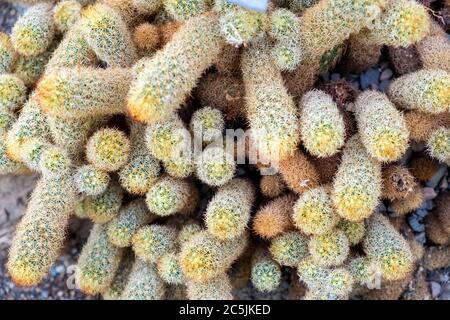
{"points": [[15, 191]]}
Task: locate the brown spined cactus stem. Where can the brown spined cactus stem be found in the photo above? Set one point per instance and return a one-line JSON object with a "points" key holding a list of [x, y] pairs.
{"points": [[84, 92], [40, 234], [398, 182], [437, 257], [167, 78]]}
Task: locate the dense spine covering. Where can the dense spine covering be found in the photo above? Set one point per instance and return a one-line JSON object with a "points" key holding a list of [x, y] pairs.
{"points": [[8, 55], [289, 248], [357, 184], [434, 52], [385, 245], [167, 78], [117, 286], [423, 90], [408, 204], [65, 14], [228, 213], [265, 273], [108, 149], [12, 92], [271, 112], [274, 218], [329, 249], [438, 144], [219, 288], [183, 10], [168, 196], [143, 283], [204, 257], [313, 212], [105, 206], [90, 180], [107, 34], [207, 124], [98, 262], [33, 32], [354, 231], [40, 234], [381, 126], [322, 124], [271, 186], [299, 173], [30, 69], [398, 182], [169, 269], [215, 166], [153, 241], [147, 6], [74, 92], [131, 217]]}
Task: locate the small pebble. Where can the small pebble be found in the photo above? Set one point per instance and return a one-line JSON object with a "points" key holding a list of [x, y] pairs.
{"points": [[444, 184], [435, 289], [386, 74], [369, 77], [422, 213], [429, 193], [325, 76], [335, 76], [381, 207], [384, 85], [416, 224], [429, 204]]}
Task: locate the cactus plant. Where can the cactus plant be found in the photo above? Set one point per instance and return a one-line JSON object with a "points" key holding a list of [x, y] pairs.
{"points": [[8, 55], [329, 249], [265, 273], [215, 166], [438, 144], [299, 173], [90, 180], [289, 248], [105, 206], [354, 231], [218, 288], [153, 241], [12, 92], [65, 14], [271, 186], [207, 124], [169, 269], [183, 10]]}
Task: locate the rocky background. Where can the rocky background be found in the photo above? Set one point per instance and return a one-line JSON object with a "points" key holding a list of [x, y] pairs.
{"points": [[59, 284]]}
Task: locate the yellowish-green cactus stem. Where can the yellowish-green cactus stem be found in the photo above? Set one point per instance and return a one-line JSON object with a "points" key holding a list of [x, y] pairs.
{"points": [[139, 174], [337, 285], [8, 165], [187, 231], [289, 248], [6, 121], [204, 257], [423, 90], [438, 145], [228, 213], [65, 14], [322, 124], [105, 206], [108, 35], [215, 166], [265, 273], [108, 149], [40, 234], [30, 69], [131, 217], [385, 245], [314, 213], [13, 92], [143, 283], [98, 262], [365, 271], [219, 288], [357, 184], [271, 112], [169, 269], [54, 162], [207, 124], [311, 273], [117, 286], [33, 32], [74, 93], [151, 242], [354, 231], [183, 10], [8, 55], [91, 181], [169, 196], [299, 5], [167, 78], [330, 249], [381, 126]]}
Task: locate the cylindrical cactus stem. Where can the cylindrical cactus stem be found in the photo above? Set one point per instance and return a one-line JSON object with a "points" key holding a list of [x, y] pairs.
{"points": [[299, 173], [131, 217], [438, 144], [8, 55], [270, 110], [185, 10], [147, 7], [322, 124], [9, 166], [329, 249], [381, 126], [398, 182], [215, 166], [153, 241], [365, 271], [108, 35], [91, 181], [265, 272], [146, 38], [272, 186], [117, 286], [228, 212], [361, 53], [105, 206], [311, 273], [313, 212], [207, 124], [31, 123], [65, 14], [169, 269], [218, 288], [385, 245], [33, 32], [108, 149], [169, 196], [13, 92], [98, 262], [7, 119], [410, 203], [443, 211], [357, 184], [74, 93], [289, 248], [187, 231], [144, 283], [423, 90], [434, 52], [167, 78], [40, 234], [422, 124], [274, 218], [354, 231], [204, 257], [54, 162]]}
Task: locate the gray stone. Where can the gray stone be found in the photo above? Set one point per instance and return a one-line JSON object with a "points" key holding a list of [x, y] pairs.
{"points": [[384, 85], [435, 289], [381, 207], [240, 172], [421, 238], [369, 77], [430, 205], [325, 76], [422, 213], [335, 76], [444, 184], [429, 193], [416, 224], [386, 74], [437, 176]]}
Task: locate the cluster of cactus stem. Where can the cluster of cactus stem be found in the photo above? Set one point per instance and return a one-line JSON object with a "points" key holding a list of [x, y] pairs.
{"points": [[100, 98]]}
